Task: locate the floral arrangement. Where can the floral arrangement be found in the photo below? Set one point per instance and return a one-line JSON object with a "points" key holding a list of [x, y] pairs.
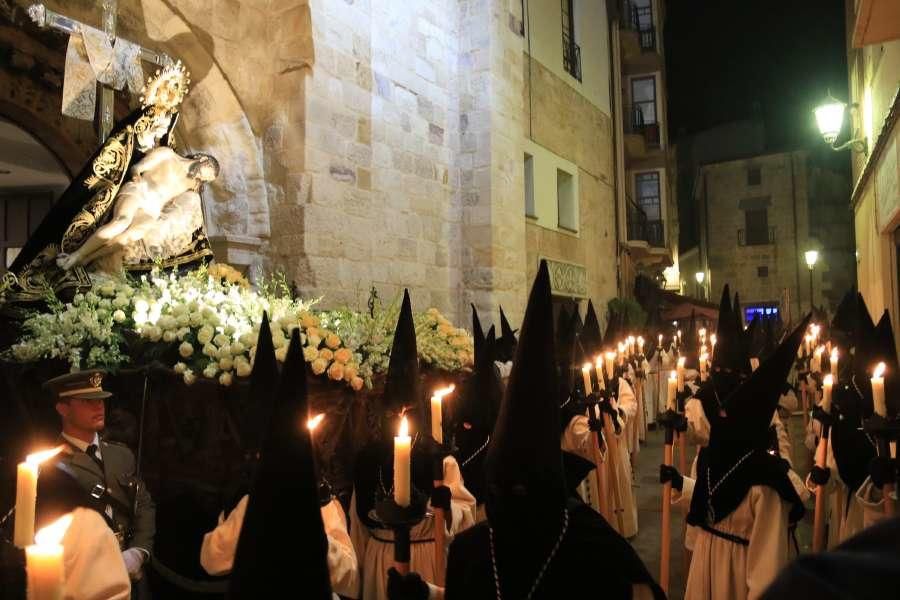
{"points": [[209, 319]]}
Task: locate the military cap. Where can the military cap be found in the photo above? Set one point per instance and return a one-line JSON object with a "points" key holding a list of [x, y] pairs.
{"points": [[87, 385]]}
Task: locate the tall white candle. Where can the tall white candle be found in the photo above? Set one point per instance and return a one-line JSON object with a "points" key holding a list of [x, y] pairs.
{"points": [[659, 344], [704, 358], [26, 495], [702, 334], [815, 364], [640, 343], [620, 356], [45, 570], [807, 339], [827, 385], [402, 447], [670, 396], [610, 364], [834, 364], [712, 341], [631, 340], [878, 389], [680, 373], [437, 413], [586, 377], [598, 367]]}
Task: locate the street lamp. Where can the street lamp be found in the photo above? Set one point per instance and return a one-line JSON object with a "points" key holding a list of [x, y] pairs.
{"points": [[812, 256], [830, 120], [699, 276]]}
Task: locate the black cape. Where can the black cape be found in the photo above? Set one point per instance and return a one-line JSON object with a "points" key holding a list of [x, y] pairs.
{"points": [[591, 558]]}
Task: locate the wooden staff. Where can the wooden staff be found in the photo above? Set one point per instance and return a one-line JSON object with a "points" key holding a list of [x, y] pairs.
{"points": [[440, 539], [818, 544], [666, 516]]}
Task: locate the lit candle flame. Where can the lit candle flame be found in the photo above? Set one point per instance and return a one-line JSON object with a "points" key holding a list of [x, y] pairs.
{"points": [[681, 361], [39, 457], [829, 379], [610, 355], [439, 394], [52, 534], [586, 367], [621, 348], [704, 357], [702, 332], [879, 371], [713, 340], [673, 376], [640, 340], [598, 361], [821, 349], [404, 428], [834, 354], [311, 424], [630, 339]]}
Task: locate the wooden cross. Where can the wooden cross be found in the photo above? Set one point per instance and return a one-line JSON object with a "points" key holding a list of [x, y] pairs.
{"points": [[48, 19]]}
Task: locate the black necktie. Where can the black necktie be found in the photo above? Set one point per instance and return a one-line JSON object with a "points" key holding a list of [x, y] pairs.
{"points": [[92, 452]]}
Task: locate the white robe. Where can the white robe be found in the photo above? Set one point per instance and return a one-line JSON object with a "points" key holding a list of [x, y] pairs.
{"points": [[220, 544], [93, 561], [844, 519], [871, 499], [377, 556], [577, 439]]}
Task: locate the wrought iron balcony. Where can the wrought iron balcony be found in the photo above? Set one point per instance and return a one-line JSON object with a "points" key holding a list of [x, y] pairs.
{"points": [[635, 123], [642, 229], [756, 237]]}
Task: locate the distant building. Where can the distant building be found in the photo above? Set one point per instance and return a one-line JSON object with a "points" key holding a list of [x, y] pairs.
{"points": [[873, 58], [758, 216]]}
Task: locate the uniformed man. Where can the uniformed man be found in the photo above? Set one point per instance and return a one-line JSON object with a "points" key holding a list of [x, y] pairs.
{"points": [[105, 471]]}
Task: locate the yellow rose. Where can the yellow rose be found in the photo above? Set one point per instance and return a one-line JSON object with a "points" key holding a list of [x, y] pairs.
{"points": [[310, 354], [319, 365], [313, 332], [445, 328], [333, 341], [336, 371], [281, 353], [350, 373], [343, 355], [326, 354], [308, 320], [357, 384]]}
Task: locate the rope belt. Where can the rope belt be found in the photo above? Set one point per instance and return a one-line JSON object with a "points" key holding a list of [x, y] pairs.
{"points": [[390, 541], [734, 539]]}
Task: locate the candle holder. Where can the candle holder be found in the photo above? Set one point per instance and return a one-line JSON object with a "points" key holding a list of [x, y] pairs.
{"points": [[682, 397], [672, 421], [401, 520]]}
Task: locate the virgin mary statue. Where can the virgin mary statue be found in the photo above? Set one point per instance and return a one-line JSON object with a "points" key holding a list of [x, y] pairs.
{"points": [[89, 203]]}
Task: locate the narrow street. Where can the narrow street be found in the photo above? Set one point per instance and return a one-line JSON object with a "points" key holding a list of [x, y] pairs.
{"points": [[649, 499]]}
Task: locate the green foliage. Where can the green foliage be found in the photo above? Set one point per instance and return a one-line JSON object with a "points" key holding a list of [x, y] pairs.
{"points": [[635, 316]]}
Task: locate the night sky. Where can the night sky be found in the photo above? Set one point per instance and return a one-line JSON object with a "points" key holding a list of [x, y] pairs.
{"points": [[728, 60]]}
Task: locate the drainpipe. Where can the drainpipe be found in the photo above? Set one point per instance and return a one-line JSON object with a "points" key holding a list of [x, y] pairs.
{"points": [[796, 240], [618, 191]]}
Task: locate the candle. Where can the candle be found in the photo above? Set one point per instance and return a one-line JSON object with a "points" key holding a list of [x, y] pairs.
{"points": [[704, 358], [586, 376], [878, 389], [620, 359], [26, 495], [670, 397], [834, 363], [815, 364], [640, 342], [631, 341], [827, 385], [437, 413], [754, 363], [598, 366], [808, 343], [610, 365], [660, 341], [402, 446], [44, 561], [712, 340], [680, 373], [702, 335]]}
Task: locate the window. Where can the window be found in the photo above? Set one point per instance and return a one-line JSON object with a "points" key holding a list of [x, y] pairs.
{"points": [[647, 186], [757, 226], [571, 50], [754, 176], [643, 19], [565, 198], [762, 271], [529, 187], [643, 99]]}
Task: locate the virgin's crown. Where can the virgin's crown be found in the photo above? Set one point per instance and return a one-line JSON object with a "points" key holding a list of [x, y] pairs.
{"points": [[167, 88]]}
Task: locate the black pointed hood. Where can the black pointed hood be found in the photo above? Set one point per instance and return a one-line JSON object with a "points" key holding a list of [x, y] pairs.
{"points": [[752, 338], [506, 345], [591, 340], [614, 330], [479, 401], [845, 314], [263, 385], [402, 389], [477, 331], [284, 502], [730, 354], [887, 353], [566, 355], [738, 312], [524, 462]]}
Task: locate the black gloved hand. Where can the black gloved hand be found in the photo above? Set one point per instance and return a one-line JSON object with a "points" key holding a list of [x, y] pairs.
{"points": [[440, 497], [669, 473], [820, 475], [881, 469], [325, 492], [822, 417], [406, 587]]}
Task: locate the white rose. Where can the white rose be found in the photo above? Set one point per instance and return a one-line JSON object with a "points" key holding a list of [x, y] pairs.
{"points": [[189, 377], [78, 299], [167, 322], [120, 302], [278, 341], [205, 335], [183, 332], [211, 351], [243, 368], [180, 367], [186, 350], [226, 363], [179, 310], [104, 303], [310, 354], [225, 378], [154, 333], [210, 371], [169, 336], [119, 316], [222, 340], [141, 305], [108, 289], [183, 320], [196, 319], [247, 339], [281, 353], [238, 348], [91, 297], [127, 290], [139, 317], [229, 329]]}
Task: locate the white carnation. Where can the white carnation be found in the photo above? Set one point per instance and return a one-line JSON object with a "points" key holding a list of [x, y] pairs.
{"points": [[211, 351], [186, 350], [196, 319], [210, 371], [226, 363], [169, 336], [238, 348], [189, 377], [141, 305], [180, 367], [225, 378], [243, 368], [205, 335]]}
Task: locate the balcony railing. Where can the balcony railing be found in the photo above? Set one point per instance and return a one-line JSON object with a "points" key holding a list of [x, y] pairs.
{"points": [[756, 238], [648, 39], [572, 58], [642, 229], [631, 17], [636, 123]]}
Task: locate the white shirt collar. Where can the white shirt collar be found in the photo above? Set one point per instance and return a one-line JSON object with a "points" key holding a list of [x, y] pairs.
{"points": [[81, 444]]}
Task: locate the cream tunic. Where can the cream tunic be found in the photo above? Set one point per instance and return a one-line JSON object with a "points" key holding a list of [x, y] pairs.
{"points": [[220, 544], [577, 439], [93, 561], [377, 556]]}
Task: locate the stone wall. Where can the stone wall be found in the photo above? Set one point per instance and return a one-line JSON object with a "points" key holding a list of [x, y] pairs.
{"points": [[567, 124]]}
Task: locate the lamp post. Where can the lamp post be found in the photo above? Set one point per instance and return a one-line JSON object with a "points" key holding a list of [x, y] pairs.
{"points": [[830, 120], [700, 276], [811, 257]]}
